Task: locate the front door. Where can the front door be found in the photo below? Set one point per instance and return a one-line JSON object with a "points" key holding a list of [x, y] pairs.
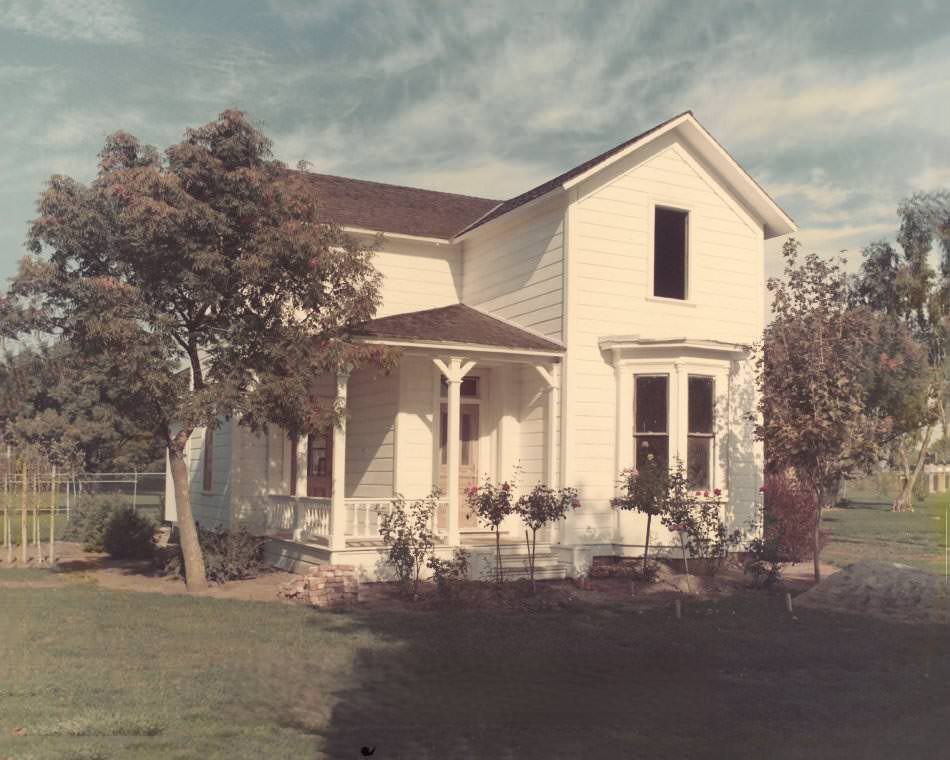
{"points": [[320, 464], [468, 458]]}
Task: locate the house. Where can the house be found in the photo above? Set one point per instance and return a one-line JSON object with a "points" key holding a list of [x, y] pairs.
{"points": [[558, 337]]}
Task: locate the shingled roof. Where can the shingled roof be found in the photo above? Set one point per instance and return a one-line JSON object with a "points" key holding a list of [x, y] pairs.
{"points": [[455, 324], [391, 208]]}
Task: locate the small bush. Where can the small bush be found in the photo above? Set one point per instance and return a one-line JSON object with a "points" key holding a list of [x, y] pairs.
{"points": [[89, 517], [407, 532], [765, 560], [449, 573], [129, 535], [229, 555]]}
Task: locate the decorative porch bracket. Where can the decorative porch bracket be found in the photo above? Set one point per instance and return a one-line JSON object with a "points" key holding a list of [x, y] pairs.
{"points": [[552, 379], [454, 371]]}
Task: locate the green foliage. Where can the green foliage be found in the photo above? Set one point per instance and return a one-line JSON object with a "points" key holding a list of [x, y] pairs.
{"points": [[698, 518], [449, 573], [129, 535], [541, 506], [407, 531], [646, 491], [491, 503], [813, 401], [230, 555], [89, 518]]}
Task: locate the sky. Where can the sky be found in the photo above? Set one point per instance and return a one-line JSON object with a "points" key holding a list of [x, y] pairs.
{"points": [[839, 109]]}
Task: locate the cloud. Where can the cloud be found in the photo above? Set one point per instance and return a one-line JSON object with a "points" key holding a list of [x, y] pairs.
{"points": [[100, 21]]}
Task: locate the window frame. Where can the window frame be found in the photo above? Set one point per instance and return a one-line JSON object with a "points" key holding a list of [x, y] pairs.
{"points": [[652, 206], [710, 436]]}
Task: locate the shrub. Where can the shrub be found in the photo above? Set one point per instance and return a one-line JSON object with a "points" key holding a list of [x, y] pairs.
{"points": [[229, 555], [129, 535], [541, 506], [89, 517], [407, 531], [764, 562], [790, 512], [646, 491], [448, 573], [697, 517], [492, 503]]}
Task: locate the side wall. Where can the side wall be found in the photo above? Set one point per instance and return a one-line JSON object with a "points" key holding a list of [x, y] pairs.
{"points": [[610, 259], [372, 399], [417, 275], [514, 268], [211, 508]]}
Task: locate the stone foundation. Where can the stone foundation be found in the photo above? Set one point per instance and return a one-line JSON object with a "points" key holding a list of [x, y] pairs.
{"points": [[325, 586]]}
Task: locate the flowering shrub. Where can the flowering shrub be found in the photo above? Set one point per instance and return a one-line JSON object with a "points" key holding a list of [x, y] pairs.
{"points": [[790, 511], [543, 505], [697, 516], [407, 531], [491, 503], [448, 573], [645, 491]]}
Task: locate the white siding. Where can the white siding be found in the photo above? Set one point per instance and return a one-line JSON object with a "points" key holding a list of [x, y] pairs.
{"points": [[372, 403], [514, 268], [417, 427], [417, 275], [211, 509], [610, 252]]}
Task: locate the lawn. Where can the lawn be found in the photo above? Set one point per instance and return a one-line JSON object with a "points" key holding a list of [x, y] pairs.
{"points": [[865, 528], [90, 673]]}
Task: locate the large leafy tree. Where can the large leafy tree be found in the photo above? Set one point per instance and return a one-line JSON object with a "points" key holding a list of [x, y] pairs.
{"points": [[815, 406], [206, 280], [901, 284], [63, 404]]}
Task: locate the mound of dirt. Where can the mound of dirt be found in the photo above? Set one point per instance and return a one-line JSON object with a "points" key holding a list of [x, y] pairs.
{"points": [[883, 589]]}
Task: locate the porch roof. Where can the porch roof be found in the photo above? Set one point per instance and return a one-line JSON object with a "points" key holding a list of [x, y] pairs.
{"points": [[458, 325]]}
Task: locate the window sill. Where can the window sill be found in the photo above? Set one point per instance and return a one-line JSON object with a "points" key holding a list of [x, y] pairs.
{"points": [[676, 301]]}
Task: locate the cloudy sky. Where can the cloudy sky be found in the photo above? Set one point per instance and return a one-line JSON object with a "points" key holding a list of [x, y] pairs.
{"points": [[839, 109]]}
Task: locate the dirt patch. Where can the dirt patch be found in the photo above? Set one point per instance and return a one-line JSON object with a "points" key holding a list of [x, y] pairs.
{"points": [[888, 590]]}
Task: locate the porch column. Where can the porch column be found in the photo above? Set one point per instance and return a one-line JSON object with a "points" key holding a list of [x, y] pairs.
{"points": [[454, 371], [552, 380], [337, 506]]}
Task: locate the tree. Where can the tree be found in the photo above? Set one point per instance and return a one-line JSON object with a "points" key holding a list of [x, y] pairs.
{"points": [[646, 491], [906, 289], [492, 503], [61, 403], [813, 403], [537, 508], [206, 280]]}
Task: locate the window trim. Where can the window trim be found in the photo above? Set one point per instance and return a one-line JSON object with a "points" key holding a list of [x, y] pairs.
{"points": [[714, 443], [666, 203]]}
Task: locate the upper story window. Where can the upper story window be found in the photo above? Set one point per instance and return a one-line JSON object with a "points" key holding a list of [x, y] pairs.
{"points": [[651, 419], [670, 236], [700, 435]]}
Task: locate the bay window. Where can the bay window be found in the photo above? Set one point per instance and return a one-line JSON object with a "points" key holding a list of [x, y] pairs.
{"points": [[700, 436], [651, 419]]}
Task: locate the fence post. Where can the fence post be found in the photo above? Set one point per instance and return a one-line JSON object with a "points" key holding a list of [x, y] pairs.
{"points": [[135, 487], [52, 515]]}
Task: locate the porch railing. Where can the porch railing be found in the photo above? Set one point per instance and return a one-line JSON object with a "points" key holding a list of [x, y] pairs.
{"points": [[363, 517], [298, 518]]}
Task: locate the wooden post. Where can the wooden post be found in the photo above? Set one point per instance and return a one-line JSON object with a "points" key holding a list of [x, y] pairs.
{"points": [[37, 545], [24, 536], [52, 515], [678, 608], [788, 602]]}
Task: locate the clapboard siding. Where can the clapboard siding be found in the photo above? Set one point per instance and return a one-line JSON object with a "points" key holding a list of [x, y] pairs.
{"points": [[372, 400], [416, 427], [417, 275], [211, 508], [610, 265], [514, 268]]}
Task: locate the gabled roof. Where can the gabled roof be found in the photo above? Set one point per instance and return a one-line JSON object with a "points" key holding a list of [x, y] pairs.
{"points": [[390, 208], [456, 324], [446, 216]]}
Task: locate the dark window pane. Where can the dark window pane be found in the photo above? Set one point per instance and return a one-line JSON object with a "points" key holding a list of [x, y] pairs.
{"points": [[466, 435], [698, 449], [700, 404], [207, 480], [651, 405], [669, 253], [318, 455], [657, 445], [444, 435], [470, 386]]}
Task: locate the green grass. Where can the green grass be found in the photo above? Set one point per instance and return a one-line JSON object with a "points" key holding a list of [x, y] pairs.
{"points": [[866, 529], [88, 673]]}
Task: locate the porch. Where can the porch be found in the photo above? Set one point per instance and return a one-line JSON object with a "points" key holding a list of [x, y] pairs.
{"points": [[452, 413]]}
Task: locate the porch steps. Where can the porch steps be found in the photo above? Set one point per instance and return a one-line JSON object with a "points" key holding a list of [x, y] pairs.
{"points": [[514, 561]]}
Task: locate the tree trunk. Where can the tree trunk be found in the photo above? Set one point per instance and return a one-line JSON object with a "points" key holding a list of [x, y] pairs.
{"points": [[499, 573], [195, 578], [816, 543], [646, 548], [905, 499]]}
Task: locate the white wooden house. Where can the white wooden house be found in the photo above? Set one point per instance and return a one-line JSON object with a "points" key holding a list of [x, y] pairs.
{"points": [[554, 335]]}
